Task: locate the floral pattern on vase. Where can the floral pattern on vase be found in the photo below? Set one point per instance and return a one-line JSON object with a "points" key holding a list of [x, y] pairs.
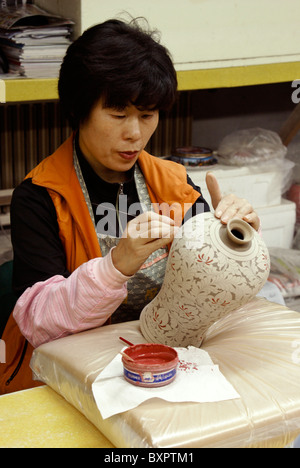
{"points": [[212, 270]]}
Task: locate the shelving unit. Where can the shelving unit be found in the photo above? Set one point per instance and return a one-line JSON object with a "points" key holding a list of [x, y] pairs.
{"points": [[213, 44], [22, 90]]}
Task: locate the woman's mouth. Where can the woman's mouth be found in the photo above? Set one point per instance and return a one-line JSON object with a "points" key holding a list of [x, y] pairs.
{"points": [[128, 155]]}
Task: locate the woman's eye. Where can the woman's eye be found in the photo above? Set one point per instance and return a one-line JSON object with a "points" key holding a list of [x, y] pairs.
{"points": [[147, 116]]}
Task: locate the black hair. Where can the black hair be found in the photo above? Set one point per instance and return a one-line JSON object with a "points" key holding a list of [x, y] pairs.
{"points": [[120, 63]]}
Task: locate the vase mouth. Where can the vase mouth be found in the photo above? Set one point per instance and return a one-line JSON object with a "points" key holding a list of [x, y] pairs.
{"points": [[239, 231]]}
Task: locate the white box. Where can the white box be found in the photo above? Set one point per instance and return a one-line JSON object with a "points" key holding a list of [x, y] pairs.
{"points": [[259, 188], [263, 191], [278, 224]]}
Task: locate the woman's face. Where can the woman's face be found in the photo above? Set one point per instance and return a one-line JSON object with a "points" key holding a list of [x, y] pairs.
{"points": [[112, 139]]}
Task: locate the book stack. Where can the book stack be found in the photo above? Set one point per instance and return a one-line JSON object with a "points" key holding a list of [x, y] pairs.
{"points": [[32, 41]]}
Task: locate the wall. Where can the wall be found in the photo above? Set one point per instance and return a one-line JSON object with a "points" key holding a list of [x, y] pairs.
{"points": [[217, 113], [205, 33]]}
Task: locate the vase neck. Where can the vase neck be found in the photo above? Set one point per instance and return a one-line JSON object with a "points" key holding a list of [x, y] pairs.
{"points": [[239, 232]]}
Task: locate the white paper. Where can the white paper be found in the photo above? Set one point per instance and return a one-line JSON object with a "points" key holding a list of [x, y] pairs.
{"points": [[197, 380]]}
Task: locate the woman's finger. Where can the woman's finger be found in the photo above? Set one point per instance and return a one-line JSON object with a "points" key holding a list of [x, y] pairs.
{"points": [[253, 220], [237, 208], [150, 226], [214, 189], [152, 216]]}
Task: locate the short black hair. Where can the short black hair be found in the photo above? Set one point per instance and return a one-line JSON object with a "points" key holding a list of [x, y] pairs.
{"points": [[120, 63]]}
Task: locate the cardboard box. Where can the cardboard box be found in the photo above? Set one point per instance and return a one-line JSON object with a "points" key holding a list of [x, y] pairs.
{"points": [[259, 188], [278, 224]]}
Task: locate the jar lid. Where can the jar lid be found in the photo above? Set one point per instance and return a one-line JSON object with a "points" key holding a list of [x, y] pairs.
{"points": [[193, 156], [193, 151]]}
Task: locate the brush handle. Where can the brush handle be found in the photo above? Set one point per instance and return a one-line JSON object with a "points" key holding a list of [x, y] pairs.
{"points": [[125, 341], [126, 356]]}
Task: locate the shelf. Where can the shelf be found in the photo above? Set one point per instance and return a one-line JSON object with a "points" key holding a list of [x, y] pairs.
{"points": [[238, 76], [23, 90]]}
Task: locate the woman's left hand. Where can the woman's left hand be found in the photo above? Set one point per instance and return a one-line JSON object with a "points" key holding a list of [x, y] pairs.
{"points": [[230, 206]]}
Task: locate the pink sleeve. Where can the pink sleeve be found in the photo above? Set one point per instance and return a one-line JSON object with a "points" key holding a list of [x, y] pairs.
{"points": [[62, 306]]}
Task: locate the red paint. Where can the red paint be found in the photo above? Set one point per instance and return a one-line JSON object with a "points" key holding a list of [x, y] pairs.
{"points": [[188, 366], [146, 354]]}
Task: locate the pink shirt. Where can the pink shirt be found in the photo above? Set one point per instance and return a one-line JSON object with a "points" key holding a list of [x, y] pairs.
{"points": [[62, 306]]}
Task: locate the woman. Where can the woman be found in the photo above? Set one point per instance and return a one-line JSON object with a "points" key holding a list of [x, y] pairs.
{"points": [[89, 227]]}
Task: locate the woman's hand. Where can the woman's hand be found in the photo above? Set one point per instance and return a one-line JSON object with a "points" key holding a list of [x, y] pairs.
{"points": [[143, 235], [230, 206]]}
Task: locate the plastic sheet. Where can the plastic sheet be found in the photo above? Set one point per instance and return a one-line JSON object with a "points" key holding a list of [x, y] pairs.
{"points": [[260, 150], [251, 146], [258, 351], [285, 271]]}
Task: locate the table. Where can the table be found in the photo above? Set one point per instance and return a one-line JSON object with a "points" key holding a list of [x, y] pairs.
{"points": [[40, 418]]}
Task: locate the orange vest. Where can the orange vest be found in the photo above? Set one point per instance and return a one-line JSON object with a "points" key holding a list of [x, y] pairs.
{"points": [[166, 183]]}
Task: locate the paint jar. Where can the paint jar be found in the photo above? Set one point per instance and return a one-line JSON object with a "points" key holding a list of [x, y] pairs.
{"points": [[193, 156], [151, 365]]}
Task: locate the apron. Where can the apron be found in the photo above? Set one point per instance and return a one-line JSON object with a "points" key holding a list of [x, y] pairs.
{"points": [[146, 283]]}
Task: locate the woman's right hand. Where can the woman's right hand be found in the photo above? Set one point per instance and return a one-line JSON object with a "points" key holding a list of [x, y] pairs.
{"points": [[143, 235]]}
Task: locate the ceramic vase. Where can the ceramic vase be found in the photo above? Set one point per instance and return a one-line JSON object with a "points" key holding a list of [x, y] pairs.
{"points": [[212, 270]]}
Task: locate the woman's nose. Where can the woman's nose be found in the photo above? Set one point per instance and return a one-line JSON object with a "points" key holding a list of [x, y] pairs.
{"points": [[132, 130]]}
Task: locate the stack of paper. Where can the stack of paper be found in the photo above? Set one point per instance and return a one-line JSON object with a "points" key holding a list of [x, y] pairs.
{"points": [[33, 41]]}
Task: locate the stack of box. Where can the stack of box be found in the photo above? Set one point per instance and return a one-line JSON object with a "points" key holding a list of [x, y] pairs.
{"points": [[263, 191]]}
